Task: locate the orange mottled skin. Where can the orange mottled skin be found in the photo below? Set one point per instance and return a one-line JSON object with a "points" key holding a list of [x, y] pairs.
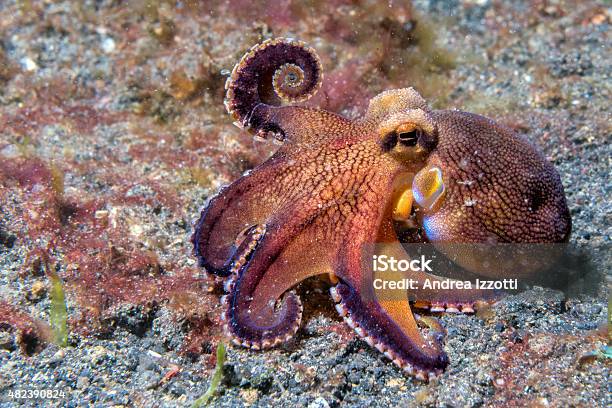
{"points": [[330, 190]]}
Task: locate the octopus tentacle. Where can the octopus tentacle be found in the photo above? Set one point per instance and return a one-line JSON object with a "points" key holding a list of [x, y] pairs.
{"points": [[449, 301], [390, 327], [261, 309], [276, 70], [448, 307], [231, 212], [383, 319], [244, 327], [262, 336]]}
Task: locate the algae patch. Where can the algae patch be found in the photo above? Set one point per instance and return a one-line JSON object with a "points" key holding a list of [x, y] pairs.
{"points": [[216, 378], [58, 312]]}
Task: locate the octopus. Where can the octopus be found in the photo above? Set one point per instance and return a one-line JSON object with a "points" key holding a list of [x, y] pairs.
{"points": [[337, 189]]}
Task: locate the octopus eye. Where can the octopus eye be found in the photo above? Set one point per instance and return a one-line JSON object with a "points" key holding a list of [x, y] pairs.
{"points": [[409, 138], [389, 141], [428, 187], [412, 134], [408, 134]]}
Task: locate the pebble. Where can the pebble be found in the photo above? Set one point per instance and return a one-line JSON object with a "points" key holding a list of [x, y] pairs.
{"points": [[249, 395], [28, 64], [108, 45], [57, 357], [319, 402], [7, 340], [37, 291]]}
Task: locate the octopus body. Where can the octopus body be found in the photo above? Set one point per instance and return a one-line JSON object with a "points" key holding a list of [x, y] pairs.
{"points": [[335, 186]]}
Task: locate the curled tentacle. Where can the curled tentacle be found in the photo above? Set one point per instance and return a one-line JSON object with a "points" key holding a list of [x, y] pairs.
{"points": [[258, 336], [262, 311], [247, 324], [275, 71], [289, 83]]}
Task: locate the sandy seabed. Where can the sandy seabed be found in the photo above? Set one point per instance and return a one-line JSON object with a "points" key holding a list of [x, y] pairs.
{"points": [[113, 136]]}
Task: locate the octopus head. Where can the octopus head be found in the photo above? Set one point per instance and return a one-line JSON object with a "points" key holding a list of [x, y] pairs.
{"points": [[472, 180]]}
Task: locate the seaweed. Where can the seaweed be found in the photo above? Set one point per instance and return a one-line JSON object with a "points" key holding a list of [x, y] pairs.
{"points": [[58, 312], [216, 378]]}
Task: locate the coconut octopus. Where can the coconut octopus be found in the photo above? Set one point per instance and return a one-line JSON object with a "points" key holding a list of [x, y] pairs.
{"points": [[335, 185]]}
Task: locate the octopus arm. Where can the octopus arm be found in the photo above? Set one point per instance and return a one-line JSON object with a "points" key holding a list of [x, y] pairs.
{"points": [[300, 125], [225, 221], [429, 297], [384, 320], [261, 310]]}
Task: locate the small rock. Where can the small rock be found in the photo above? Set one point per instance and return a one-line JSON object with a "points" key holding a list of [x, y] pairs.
{"points": [[37, 291], [394, 383], [82, 383], [108, 45], [249, 395], [319, 402], [7, 341], [57, 357], [28, 64]]}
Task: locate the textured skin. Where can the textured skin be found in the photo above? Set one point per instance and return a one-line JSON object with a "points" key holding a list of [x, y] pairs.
{"points": [[330, 190], [514, 194]]}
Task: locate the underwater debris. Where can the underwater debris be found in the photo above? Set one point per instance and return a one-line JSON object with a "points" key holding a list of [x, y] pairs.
{"points": [[604, 353]]}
